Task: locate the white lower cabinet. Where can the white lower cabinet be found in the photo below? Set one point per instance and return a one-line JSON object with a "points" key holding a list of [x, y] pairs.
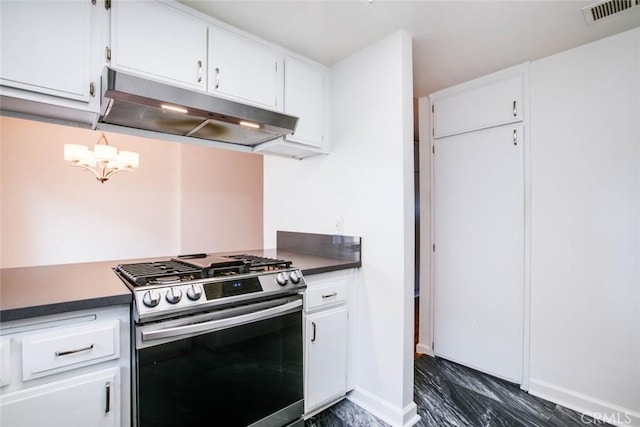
{"points": [[86, 400], [328, 336], [67, 370], [326, 351]]}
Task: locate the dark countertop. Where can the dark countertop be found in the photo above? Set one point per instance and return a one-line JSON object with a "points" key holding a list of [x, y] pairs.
{"points": [[39, 291], [52, 289]]}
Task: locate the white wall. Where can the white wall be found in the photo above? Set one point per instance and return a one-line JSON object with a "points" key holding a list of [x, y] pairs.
{"points": [[585, 285], [368, 180], [181, 196]]}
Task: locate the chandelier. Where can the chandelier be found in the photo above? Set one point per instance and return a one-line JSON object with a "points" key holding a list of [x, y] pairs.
{"points": [[103, 161]]}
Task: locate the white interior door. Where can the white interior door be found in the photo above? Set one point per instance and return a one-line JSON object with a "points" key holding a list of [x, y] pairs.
{"points": [[479, 250]]}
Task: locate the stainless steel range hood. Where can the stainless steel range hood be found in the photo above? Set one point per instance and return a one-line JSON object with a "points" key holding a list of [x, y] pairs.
{"points": [[139, 103]]}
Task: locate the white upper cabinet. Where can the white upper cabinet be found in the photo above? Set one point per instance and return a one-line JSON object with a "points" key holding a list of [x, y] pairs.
{"points": [[46, 48], [479, 104], [242, 69], [159, 41], [304, 97]]}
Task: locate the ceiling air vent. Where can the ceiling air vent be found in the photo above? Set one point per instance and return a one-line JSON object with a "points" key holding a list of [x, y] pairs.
{"points": [[604, 9]]}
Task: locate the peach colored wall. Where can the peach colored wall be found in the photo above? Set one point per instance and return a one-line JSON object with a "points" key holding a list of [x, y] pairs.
{"points": [[52, 213], [221, 200]]}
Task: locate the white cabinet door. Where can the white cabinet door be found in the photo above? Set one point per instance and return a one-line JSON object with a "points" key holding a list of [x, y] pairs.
{"points": [[87, 400], [479, 250], [156, 40], [326, 357], [304, 97], [46, 47], [480, 104], [242, 69]]}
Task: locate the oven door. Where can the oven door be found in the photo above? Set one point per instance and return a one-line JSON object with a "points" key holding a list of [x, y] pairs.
{"points": [[235, 367]]}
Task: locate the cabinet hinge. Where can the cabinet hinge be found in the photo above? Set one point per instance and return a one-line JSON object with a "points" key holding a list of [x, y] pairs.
{"points": [[107, 53], [107, 4], [434, 247], [92, 88], [433, 149], [433, 132], [276, 66], [432, 109]]}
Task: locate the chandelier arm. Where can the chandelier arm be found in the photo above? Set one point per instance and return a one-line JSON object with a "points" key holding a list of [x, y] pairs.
{"points": [[93, 171], [112, 172]]}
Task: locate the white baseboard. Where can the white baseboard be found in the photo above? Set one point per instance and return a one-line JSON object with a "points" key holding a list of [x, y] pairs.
{"points": [[390, 414], [424, 349], [598, 409]]}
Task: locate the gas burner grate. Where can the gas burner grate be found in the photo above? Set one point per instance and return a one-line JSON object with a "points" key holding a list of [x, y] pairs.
{"points": [[258, 263], [141, 273]]}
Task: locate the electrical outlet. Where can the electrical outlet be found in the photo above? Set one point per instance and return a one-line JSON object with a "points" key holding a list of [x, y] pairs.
{"points": [[340, 225]]}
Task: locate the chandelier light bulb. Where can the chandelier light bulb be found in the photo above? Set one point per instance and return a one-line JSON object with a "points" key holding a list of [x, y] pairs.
{"points": [[103, 161]]}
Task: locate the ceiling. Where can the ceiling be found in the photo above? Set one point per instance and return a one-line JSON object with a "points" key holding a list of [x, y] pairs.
{"points": [[453, 41]]}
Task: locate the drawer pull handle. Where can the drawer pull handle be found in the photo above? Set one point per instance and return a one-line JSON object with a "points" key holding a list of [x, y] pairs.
{"points": [[335, 294], [108, 402], [313, 338], [64, 353], [199, 71], [515, 110], [217, 78]]}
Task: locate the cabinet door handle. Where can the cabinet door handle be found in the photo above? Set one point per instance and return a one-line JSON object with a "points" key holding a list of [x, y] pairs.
{"points": [[217, 77], [515, 137], [515, 109], [64, 353], [199, 71], [313, 325], [108, 398], [334, 294]]}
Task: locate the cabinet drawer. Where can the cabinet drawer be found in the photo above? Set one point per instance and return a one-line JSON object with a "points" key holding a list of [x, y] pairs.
{"points": [[327, 294], [59, 350]]}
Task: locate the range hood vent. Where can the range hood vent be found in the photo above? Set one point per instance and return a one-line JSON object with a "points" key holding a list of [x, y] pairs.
{"points": [[139, 103], [605, 9]]}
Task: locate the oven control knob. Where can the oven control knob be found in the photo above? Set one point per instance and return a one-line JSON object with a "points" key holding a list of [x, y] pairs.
{"points": [[151, 298], [281, 278], [173, 296], [295, 277], [194, 292]]}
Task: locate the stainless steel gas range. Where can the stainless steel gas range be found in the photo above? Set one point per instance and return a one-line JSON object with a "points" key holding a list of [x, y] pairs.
{"points": [[218, 341]]}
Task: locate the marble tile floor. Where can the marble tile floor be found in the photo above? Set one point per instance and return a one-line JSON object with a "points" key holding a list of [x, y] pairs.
{"points": [[448, 394]]}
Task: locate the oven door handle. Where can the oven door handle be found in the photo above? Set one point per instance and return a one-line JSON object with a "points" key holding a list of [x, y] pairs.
{"points": [[219, 324]]}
